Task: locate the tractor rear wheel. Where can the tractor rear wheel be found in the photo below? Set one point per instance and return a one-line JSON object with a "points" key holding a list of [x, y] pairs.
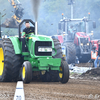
{"points": [[64, 72], [70, 52], [57, 46], [10, 63], [54, 75], [26, 72]]}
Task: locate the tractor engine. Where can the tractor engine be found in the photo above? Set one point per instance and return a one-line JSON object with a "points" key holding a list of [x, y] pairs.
{"points": [[40, 46], [43, 48]]}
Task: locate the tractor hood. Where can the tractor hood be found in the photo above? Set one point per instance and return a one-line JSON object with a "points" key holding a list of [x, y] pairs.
{"points": [[40, 38], [82, 34], [39, 45], [32, 40]]}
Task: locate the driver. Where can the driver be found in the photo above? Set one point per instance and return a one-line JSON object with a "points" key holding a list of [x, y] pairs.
{"points": [[28, 30]]}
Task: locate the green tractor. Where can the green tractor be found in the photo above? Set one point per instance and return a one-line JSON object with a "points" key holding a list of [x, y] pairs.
{"points": [[43, 56]]}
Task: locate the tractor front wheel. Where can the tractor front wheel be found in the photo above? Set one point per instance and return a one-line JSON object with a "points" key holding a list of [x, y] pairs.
{"points": [[64, 72], [26, 72]]}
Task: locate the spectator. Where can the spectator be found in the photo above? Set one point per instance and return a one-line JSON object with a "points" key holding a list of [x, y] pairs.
{"points": [[97, 60]]}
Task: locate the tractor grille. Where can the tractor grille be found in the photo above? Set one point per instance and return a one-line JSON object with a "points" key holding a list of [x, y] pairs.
{"points": [[85, 45], [43, 44], [84, 41]]}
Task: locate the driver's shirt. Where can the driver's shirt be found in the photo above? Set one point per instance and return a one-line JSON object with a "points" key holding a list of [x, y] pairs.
{"points": [[29, 30]]}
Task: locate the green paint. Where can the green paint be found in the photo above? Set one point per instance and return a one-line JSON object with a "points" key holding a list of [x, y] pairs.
{"points": [[17, 45], [46, 63], [23, 33], [38, 62]]}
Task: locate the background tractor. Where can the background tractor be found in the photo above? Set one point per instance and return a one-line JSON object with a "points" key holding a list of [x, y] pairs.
{"points": [[75, 37], [42, 56]]}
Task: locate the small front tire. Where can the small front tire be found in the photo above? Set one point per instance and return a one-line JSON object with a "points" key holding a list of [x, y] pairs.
{"points": [[64, 72], [26, 72]]}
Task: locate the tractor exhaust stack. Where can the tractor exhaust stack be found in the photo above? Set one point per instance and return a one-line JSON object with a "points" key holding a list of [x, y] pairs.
{"points": [[36, 5], [36, 27]]}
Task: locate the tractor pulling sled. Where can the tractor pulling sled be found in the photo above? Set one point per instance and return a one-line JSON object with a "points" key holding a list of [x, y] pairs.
{"points": [[44, 56]]}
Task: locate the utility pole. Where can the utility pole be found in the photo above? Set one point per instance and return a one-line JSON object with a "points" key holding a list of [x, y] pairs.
{"points": [[71, 2], [71, 11]]}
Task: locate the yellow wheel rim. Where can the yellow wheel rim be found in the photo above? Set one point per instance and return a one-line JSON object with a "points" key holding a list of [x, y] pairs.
{"points": [[23, 72], [1, 61], [60, 74]]}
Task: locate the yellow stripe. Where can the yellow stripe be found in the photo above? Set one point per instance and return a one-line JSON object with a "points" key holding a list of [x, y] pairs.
{"points": [[64, 55], [16, 18], [13, 3], [1, 61], [23, 72]]}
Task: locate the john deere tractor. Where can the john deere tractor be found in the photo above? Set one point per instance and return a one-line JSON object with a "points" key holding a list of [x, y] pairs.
{"points": [[43, 56]]}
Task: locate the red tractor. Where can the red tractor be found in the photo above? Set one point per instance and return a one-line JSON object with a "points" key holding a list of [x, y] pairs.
{"points": [[76, 39]]}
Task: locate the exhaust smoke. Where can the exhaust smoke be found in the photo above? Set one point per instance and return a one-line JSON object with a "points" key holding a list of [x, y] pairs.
{"points": [[35, 5]]}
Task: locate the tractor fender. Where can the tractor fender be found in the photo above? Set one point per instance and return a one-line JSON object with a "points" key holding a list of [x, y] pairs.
{"points": [[17, 44], [58, 37]]}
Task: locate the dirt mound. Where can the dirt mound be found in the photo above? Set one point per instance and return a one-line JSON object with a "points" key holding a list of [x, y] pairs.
{"points": [[92, 72], [84, 65]]}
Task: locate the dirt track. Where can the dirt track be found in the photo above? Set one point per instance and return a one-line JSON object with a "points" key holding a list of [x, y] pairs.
{"points": [[73, 90]]}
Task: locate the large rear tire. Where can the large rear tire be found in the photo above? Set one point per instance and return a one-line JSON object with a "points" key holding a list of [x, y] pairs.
{"points": [[57, 46], [64, 72], [10, 63], [54, 74], [70, 52]]}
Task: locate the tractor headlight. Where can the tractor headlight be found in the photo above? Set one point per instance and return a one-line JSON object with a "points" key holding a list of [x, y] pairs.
{"points": [[44, 49], [81, 44], [87, 43]]}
